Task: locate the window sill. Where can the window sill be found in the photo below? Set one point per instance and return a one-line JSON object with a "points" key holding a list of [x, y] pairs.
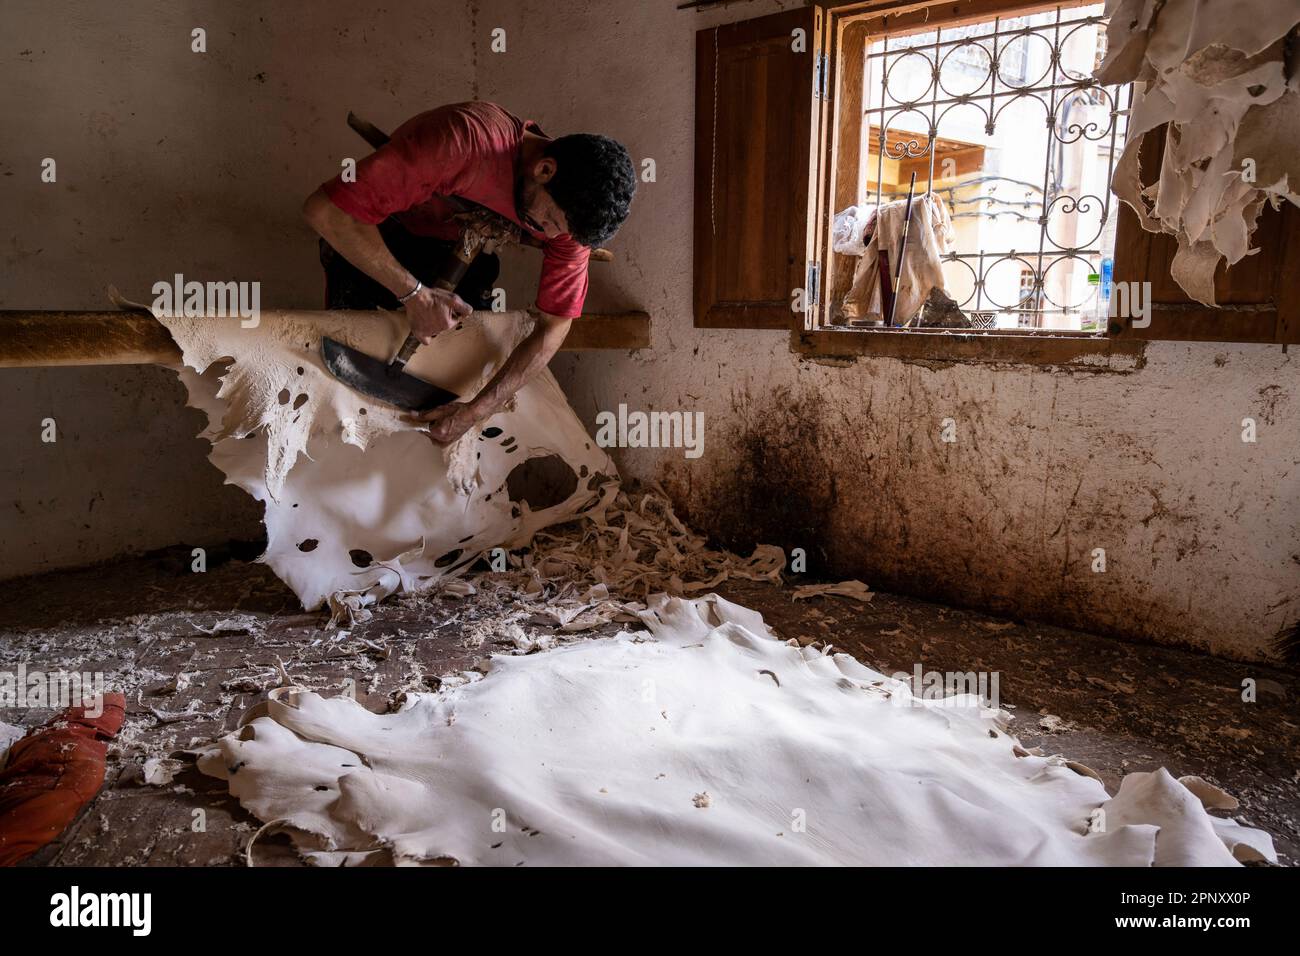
{"points": [[1082, 350]]}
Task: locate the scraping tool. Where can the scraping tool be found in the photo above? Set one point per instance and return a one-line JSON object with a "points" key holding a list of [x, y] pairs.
{"points": [[389, 382]]}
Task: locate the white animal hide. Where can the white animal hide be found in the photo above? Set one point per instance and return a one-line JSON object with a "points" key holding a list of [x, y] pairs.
{"points": [[1214, 71], [359, 503], [706, 742]]}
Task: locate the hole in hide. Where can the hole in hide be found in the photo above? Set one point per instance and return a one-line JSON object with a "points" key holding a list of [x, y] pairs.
{"points": [[491, 432], [582, 471], [448, 558], [283, 396], [509, 440], [299, 369], [543, 481], [362, 559], [300, 401], [468, 537], [307, 544], [363, 411]]}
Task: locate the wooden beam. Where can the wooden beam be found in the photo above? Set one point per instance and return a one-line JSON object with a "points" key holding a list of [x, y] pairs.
{"points": [[45, 339], [626, 330]]}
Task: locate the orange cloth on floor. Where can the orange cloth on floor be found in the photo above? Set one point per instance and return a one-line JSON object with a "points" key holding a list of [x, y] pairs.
{"points": [[51, 775]]}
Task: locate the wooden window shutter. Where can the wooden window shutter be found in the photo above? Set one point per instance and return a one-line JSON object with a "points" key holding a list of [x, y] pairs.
{"points": [[1259, 297], [755, 109]]}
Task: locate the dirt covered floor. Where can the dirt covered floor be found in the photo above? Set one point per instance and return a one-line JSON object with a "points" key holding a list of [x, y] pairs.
{"points": [[235, 632]]}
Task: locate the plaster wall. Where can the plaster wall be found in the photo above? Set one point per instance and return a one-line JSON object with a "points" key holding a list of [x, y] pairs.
{"points": [[1201, 530], [169, 161]]}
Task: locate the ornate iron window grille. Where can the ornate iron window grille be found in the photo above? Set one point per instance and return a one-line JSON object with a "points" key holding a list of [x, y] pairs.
{"points": [[1058, 89]]}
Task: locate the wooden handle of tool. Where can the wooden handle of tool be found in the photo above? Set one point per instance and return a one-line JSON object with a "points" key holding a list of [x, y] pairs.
{"points": [[368, 131], [456, 267], [455, 272], [405, 352], [902, 249]]}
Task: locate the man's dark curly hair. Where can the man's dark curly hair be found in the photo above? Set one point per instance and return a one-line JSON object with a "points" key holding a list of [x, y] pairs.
{"points": [[593, 184]]}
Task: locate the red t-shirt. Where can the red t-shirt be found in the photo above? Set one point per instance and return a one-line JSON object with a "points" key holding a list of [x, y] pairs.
{"points": [[468, 150]]}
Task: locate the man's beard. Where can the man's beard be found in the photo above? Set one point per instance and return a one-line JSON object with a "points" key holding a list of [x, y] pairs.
{"points": [[521, 207]]}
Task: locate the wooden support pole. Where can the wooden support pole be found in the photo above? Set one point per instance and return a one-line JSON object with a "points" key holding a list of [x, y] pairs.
{"points": [[47, 339]]}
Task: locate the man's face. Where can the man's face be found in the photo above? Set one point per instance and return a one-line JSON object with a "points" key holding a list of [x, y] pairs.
{"points": [[536, 207]]}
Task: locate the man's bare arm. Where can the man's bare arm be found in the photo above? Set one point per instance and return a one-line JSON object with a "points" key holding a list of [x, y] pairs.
{"points": [[530, 356], [429, 311]]}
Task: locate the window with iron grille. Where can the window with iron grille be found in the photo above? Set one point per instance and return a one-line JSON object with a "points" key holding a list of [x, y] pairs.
{"points": [[1002, 122], [802, 126]]}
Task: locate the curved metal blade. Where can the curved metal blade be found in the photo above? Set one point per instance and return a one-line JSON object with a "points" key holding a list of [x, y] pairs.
{"points": [[371, 377]]}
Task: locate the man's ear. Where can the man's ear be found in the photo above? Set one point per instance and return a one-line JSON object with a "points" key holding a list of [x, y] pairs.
{"points": [[545, 169]]}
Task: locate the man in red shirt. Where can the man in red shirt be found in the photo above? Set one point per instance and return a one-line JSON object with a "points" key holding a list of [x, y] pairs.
{"points": [[386, 236]]}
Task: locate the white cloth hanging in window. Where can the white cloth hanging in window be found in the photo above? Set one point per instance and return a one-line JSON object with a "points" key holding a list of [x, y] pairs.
{"points": [[928, 240]]}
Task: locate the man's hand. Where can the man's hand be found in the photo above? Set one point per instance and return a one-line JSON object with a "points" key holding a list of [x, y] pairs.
{"points": [[447, 422], [431, 311]]}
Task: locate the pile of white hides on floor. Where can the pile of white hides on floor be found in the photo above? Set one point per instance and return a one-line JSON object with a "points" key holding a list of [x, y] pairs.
{"points": [[707, 741]]}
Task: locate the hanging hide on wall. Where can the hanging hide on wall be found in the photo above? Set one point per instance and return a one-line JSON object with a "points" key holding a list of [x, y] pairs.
{"points": [[1221, 75], [359, 503]]}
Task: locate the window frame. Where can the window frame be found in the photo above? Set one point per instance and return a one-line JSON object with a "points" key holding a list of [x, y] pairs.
{"points": [[734, 288], [724, 153], [850, 28], [1248, 316]]}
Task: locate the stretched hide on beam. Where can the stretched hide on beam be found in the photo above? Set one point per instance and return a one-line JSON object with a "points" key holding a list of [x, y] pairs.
{"points": [[359, 503]]}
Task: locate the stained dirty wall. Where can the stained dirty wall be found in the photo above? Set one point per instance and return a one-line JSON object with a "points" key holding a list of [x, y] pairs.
{"points": [[1200, 530], [206, 178], [172, 161]]}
